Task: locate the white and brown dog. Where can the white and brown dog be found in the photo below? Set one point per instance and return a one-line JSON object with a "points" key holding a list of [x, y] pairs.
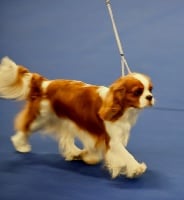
{"points": [[100, 117]]}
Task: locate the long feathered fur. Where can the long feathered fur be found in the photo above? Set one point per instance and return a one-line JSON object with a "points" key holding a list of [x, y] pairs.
{"points": [[14, 80]]}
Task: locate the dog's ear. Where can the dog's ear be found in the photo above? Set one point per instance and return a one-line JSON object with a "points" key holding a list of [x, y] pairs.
{"points": [[111, 108]]}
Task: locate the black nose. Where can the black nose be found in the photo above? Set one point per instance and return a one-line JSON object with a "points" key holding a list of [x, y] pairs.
{"points": [[149, 97]]}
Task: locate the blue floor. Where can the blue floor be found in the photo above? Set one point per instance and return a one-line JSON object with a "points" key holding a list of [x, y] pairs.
{"points": [[74, 40]]}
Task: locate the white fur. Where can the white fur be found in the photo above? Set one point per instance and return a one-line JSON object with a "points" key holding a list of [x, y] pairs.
{"points": [[118, 159], [20, 142], [45, 84], [8, 72], [102, 91], [8, 76]]}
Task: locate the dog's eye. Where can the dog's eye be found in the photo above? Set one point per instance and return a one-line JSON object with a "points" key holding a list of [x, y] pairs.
{"points": [[138, 92], [150, 88]]}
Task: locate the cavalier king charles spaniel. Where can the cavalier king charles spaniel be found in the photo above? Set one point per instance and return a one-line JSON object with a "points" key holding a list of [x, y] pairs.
{"points": [[100, 117]]}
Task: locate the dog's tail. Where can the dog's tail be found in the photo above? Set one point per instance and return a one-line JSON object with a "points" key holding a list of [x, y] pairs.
{"points": [[14, 80]]}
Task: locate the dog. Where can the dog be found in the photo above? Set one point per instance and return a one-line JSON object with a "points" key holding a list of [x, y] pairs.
{"points": [[100, 117]]}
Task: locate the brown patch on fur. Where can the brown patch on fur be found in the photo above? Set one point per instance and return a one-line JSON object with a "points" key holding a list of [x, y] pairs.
{"points": [[22, 70], [20, 73], [31, 109], [78, 102], [35, 87], [24, 119]]}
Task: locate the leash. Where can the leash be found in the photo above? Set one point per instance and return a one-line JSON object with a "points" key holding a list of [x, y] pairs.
{"points": [[124, 64]]}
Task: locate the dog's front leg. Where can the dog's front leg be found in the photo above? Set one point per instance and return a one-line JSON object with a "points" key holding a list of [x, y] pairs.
{"points": [[133, 167], [125, 138], [120, 161]]}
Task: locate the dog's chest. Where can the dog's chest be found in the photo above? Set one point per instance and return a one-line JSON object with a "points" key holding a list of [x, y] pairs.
{"points": [[123, 124]]}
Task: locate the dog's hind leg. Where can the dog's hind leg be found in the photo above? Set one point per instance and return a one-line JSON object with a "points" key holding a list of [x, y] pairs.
{"points": [[20, 142], [93, 150], [24, 128], [67, 146]]}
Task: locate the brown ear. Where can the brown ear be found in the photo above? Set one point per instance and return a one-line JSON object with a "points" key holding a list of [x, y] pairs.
{"points": [[111, 108], [109, 113]]}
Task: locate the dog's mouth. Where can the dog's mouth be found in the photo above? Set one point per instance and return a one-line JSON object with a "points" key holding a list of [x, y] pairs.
{"points": [[152, 103], [146, 105]]}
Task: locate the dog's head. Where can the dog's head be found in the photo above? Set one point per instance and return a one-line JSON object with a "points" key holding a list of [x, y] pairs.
{"points": [[133, 90]]}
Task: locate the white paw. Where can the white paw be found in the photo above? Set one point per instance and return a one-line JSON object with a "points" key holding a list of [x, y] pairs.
{"points": [[75, 155], [91, 158], [23, 148], [116, 171], [20, 145], [136, 170]]}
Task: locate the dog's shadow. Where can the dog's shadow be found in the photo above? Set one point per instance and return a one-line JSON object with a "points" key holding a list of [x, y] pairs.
{"points": [[150, 180]]}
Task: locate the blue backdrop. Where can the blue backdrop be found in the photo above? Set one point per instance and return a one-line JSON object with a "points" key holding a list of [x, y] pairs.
{"points": [[74, 40]]}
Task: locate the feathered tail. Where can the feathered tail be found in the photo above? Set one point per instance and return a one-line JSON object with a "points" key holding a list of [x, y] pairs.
{"points": [[14, 80]]}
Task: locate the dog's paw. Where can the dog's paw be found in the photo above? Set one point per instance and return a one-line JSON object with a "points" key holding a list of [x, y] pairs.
{"points": [[136, 170], [91, 158], [73, 155], [116, 171], [20, 145], [24, 148]]}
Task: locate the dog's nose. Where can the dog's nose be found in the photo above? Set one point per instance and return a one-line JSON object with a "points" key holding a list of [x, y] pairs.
{"points": [[149, 97]]}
